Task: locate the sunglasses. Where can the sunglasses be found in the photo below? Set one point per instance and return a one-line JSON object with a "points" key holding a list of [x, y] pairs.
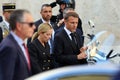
{"points": [[29, 23]]}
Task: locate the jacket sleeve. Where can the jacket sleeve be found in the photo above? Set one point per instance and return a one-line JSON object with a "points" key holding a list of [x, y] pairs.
{"points": [[7, 63]]}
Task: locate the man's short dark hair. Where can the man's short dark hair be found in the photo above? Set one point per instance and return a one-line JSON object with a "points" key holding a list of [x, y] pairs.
{"points": [[45, 5], [73, 14]]}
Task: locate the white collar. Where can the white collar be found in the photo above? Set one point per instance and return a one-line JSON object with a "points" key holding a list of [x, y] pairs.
{"points": [[45, 21]]}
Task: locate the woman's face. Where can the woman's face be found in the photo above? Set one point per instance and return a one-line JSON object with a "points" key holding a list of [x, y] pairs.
{"points": [[46, 36]]}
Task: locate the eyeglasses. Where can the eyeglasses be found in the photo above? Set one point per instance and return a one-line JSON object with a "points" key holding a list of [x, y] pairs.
{"points": [[29, 23]]}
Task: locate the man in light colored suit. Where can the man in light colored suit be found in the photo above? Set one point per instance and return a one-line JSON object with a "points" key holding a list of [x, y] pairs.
{"points": [[7, 8], [14, 58]]}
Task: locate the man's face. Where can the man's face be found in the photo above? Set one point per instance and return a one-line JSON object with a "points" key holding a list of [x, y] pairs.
{"points": [[62, 6], [7, 15], [46, 13], [71, 23], [26, 28]]}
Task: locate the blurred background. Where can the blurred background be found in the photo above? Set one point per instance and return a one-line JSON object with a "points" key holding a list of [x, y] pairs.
{"points": [[104, 13]]}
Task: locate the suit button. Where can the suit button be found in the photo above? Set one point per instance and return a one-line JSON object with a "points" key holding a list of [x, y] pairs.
{"points": [[43, 68], [44, 61], [48, 67], [48, 60]]}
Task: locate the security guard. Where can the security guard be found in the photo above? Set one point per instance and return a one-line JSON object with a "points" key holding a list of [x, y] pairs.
{"points": [[7, 9], [62, 5]]}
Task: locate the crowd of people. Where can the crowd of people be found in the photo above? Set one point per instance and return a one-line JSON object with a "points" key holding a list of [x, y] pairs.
{"points": [[52, 41]]}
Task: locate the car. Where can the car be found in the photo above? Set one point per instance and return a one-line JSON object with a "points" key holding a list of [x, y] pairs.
{"points": [[99, 71]]}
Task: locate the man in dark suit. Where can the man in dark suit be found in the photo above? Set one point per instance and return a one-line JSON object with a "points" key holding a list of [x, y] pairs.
{"points": [[46, 14], [68, 50], [14, 58], [61, 24]]}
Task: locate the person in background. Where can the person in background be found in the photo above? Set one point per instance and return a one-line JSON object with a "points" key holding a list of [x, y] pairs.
{"points": [[1, 35], [62, 6], [14, 57], [7, 8], [39, 49], [1, 19], [46, 13], [68, 47], [61, 24], [79, 26]]}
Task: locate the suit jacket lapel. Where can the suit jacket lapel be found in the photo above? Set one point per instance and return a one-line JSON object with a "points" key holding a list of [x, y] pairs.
{"points": [[79, 40], [19, 49], [68, 40]]}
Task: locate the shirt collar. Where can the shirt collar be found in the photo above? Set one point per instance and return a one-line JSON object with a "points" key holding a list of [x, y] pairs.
{"points": [[67, 31], [18, 39], [45, 21]]}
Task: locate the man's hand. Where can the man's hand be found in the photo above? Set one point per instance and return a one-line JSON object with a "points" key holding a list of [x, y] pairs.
{"points": [[82, 54]]}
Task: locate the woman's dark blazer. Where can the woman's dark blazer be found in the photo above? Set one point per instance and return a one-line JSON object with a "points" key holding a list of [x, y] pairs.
{"points": [[40, 56]]}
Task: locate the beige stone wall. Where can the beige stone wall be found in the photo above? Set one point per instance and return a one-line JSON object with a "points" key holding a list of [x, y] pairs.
{"points": [[105, 13], [32, 5]]}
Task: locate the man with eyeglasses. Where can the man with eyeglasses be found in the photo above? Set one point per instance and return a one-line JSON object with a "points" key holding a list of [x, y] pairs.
{"points": [[14, 56]]}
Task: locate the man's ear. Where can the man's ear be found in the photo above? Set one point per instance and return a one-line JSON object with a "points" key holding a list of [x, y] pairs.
{"points": [[18, 26]]}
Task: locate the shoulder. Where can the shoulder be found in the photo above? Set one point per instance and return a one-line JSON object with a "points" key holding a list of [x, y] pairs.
{"points": [[59, 32], [33, 44], [9, 45], [0, 28], [78, 31], [8, 40], [38, 22]]}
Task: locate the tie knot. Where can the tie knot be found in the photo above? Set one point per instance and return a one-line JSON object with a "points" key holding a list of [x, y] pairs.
{"points": [[73, 34], [24, 45], [74, 40]]}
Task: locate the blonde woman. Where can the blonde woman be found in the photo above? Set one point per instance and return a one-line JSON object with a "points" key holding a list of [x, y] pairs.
{"points": [[39, 49]]}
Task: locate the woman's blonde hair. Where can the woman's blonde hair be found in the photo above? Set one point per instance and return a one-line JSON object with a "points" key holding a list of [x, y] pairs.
{"points": [[43, 28]]}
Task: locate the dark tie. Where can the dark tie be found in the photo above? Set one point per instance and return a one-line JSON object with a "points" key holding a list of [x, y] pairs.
{"points": [[28, 56], [73, 36]]}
